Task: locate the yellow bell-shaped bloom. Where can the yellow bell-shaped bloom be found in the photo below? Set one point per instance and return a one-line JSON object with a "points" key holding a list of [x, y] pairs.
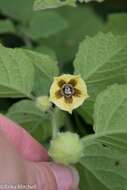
{"points": [[68, 92]]}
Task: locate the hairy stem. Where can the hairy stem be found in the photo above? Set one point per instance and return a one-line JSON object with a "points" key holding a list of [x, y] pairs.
{"points": [[54, 127]]}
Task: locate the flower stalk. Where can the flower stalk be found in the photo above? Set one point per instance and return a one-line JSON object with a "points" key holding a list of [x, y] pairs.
{"points": [[54, 127]]}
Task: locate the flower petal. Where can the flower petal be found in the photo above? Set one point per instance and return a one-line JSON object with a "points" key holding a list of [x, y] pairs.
{"points": [[77, 92], [67, 77], [68, 100], [61, 103], [58, 94], [61, 83], [73, 82], [53, 89]]}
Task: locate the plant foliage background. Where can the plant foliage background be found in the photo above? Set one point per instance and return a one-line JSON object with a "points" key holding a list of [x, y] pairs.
{"points": [[60, 37]]}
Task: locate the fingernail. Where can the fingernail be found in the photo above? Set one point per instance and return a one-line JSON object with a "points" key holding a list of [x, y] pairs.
{"points": [[67, 178]]}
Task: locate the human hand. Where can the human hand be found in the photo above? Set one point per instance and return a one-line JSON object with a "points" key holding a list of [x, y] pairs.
{"points": [[25, 162]]}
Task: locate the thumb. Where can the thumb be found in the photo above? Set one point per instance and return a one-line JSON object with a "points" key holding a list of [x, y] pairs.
{"points": [[51, 176]]}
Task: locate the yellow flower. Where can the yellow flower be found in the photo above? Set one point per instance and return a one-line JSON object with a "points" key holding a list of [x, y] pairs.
{"points": [[68, 92]]}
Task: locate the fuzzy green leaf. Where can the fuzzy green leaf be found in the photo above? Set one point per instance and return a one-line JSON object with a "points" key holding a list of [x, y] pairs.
{"points": [[114, 99], [14, 68], [104, 164], [45, 69], [101, 61], [46, 50], [87, 1], [48, 4]]}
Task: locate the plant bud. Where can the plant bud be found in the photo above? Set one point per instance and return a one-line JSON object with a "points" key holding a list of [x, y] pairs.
{"points": [[66, 148], [43, 103]]}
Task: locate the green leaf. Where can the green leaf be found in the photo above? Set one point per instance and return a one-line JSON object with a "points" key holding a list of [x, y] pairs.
{"points": [[31, 118], [45, 69], [65, 43], [114, 99], [104, 164], [87, 1], [86, 109], [46, 50], [32, 24], [44, 24], [19, 10], [101, 61], [14, 68], [36, 122], [116, 23], [6, 26], [48, 4]]}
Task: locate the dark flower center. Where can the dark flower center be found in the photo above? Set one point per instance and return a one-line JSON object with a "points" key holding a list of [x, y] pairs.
{"points": [[67, 90]]}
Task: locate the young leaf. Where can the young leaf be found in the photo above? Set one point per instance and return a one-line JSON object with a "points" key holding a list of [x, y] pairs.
{"points": [[14, 68], [104, 163], [48, 4], [45, 69], [101, 61]]}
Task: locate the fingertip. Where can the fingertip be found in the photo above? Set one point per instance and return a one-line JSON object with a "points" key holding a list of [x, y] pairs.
{"points": [[55, 176], [67, 178]]}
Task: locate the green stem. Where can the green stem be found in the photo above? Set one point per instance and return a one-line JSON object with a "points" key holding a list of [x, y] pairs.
{"points": [[27, 42], [54, 127]]}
